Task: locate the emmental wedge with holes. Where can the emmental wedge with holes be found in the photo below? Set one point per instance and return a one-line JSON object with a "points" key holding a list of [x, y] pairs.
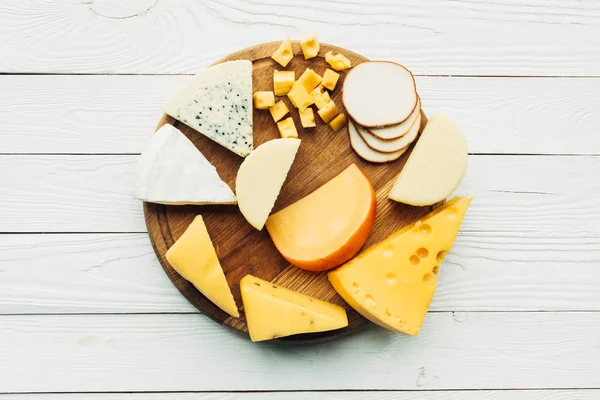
{"points": [[393, 282]]}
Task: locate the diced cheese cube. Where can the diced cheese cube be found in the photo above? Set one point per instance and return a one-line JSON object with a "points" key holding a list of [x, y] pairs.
{"points": [[264, 100], [310, 46], [287, 129], [284, 54], [279, 110], [328, 112], [320, 97], [338, 62], [307, 118], [309, 79], [338, 122], [300, 97], [330, 79], [283, 82]]}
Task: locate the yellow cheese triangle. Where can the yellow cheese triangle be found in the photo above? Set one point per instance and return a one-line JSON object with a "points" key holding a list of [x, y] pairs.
{"points": [[273, 311], [392, 283], [194, 258]]}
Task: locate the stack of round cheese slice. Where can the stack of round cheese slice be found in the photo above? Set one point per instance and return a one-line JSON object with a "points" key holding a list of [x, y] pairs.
{"points": [[385, 110]]}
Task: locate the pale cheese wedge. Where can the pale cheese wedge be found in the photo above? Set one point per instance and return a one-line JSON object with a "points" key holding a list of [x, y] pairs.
{"points": [[436, 165], [193, 256], [172, 171], [273, 311], [261, 176], [390, 146], [367, 153], [217, 102]]}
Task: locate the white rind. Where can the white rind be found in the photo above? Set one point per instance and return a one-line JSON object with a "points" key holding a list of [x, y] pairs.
{"points": [[217, 102], [379, 93], [436, 165], [261, 176], [397, 131], [171, 170], [390, 146], [367, 153]]}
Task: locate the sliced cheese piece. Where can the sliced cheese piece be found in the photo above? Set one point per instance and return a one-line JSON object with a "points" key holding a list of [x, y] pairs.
{"points": [[436, 165], [194, 258], [330, 79], [338, 122], [284, 53], [367, 153], [329, 226], [172, 171], [287, 128], [397, 131], [261, 177], [283, 82], [307, 118], [273, 311], [217, 102], [264, 100], [328, 112], [379, 93], [338, 62], [309, 79], [390, 146], [320, 97], [392, 283]]}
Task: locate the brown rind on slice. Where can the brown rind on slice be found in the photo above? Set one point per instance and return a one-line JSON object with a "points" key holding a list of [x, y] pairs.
{"points": [[367, 153], [400, 119], [396, 131], [390, 146]]}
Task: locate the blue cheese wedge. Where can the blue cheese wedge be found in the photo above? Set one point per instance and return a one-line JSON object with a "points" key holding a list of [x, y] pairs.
{"points": [[172, 171], [217, 102]]}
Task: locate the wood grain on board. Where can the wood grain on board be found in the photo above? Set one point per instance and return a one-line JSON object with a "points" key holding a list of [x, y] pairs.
{"points": [[242, 249]]}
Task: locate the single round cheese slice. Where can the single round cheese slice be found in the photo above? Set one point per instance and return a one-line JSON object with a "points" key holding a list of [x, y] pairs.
{"points": [[397, 131], [367, 153], [390, 146], [261, 176], [436, 165], [379, 93]]}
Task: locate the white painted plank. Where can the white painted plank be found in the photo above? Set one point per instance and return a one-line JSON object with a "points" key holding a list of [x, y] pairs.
{"points": [[118, 273], [64, 193], [191, 353], [116, 114], [536, 37], [379, 395]]}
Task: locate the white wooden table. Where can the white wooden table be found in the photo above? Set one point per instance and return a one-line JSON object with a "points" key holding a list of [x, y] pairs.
{"points": [[85, 308]]}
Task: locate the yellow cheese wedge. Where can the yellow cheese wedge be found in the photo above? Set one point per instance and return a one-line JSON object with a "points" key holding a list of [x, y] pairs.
{"points": [[393, 282], [328, 112], [264, 100], [310, 45], [299, 97], [338, 122], [320, 97], [261, 177], [307, 118], [283, 82], [330, 79], [279, 110], [273, 311], [436, 165], [284, 53], [309, 79], [194, 258], [338, 62]]}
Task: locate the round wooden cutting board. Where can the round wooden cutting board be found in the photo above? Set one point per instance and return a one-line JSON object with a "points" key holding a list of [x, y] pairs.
{"points": [[242, 249]]}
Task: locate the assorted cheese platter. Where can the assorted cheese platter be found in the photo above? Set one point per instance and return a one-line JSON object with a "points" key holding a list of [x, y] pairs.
{"points": [[295, 191]]}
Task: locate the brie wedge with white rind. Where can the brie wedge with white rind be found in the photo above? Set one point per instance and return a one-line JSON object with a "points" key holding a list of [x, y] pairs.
{"points": [[379, 93], [436, 165], [172, 171], [397, 131], [367, 153], [217, 102], [390, 146], [261, 176]]}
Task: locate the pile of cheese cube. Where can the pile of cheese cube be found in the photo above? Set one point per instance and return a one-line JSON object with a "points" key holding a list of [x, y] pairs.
{"points": [[310, 88]]}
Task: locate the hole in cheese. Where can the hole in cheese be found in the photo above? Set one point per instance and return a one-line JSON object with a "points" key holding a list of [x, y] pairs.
{"points": [[369, 301], [428, 277], [422, 252], [425, 228], [436, 269], [441, 255], [415, 260], [390, 279]]}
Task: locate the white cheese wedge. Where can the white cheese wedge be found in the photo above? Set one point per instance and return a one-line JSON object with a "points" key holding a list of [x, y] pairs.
{"points": [[172, 171], [217, 102], [392, 145], [436, 165], [261, 176], [367, 153]]}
